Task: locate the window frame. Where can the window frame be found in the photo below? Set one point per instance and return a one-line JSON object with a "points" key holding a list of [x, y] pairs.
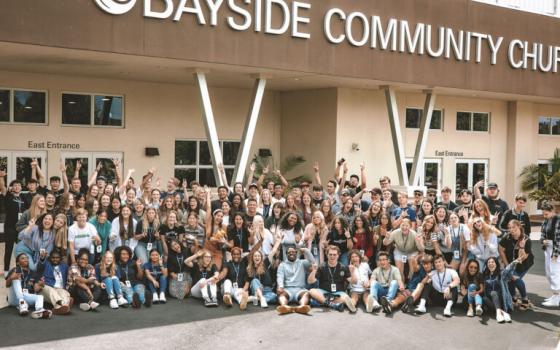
{"points": [[472, 113], [198, 166], [550, 119], [92, 124], [92, 156], [422, 110], [439, 162], [12, 109], [470, 162]]}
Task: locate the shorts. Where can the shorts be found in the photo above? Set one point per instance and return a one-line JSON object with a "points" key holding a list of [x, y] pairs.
{"points": [[332, 294], [398, 255], [294, 293]]}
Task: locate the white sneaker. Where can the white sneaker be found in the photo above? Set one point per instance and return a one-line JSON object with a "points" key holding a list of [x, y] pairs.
{"points": [[37, 314], [376, 306], [155, 298], [23, 308], [85, 307], [93, 305], [479, 310], [500, 317], [507, 317], [554, 301], [264, 304], [122, 301], [470, 312], [447, 312], [349, 304], [253, 299], [369, 305], [420, 309], [113, 304], [162, 298]]}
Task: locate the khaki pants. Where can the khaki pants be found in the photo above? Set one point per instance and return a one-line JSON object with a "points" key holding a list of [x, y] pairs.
{"points": [[53, 295]]}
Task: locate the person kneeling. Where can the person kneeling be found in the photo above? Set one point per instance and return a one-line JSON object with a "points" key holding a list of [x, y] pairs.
{"points": [[443, 288], [291, 282]]}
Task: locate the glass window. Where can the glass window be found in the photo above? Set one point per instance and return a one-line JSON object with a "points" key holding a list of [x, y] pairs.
{"points": [[480, 122], [29, 106], [4, 105], [185, 152], [463, 121], [188, 174], [461, 176], [555, 126], [108, 169], [544, 125], [431, 174], [76, 109], [108, 110], [204, 154], [71, 168], [206, 177], [230, 152], [437, 120], [23, 168], [413, 117]]}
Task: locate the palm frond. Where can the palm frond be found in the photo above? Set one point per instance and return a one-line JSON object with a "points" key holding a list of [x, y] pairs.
{"points": [[291, 162]]}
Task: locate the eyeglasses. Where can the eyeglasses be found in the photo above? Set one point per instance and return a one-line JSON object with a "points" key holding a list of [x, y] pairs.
{"points": [[208, 256]]}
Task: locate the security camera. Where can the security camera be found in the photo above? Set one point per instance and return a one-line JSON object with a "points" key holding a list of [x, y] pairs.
{"points": [[355, 147]]}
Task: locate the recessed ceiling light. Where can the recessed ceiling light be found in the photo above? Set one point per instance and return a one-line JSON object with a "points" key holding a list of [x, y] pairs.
{"points": [[106, 99], [28, 107], [1, 102], [297, 79], [71, 102]]}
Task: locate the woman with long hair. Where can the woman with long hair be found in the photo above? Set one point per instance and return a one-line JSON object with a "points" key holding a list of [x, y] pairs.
{"points": [[237, 204], [265, 203], [291, 204], [105, 202], [496, 292], [37, 208], [147, 235], [155, 199], [427, 208], [306, 208], [360, 289], [340, 237], [484, 242], [156, 276], [216, 233], [277, 212], [61, 236], [92, 207], [261, 233], [170, 231], [260, 273], [80, 200], [238, 233], [167, 206], [326, 210], [36, 241], [66, 207], [180, 280], [431, 237], [115, 208], [347, 211], [315, 234], [374, 212], [123, 228], [131, 275], [205, 275], [481, 210], [472, 288], [106, 272], [196, 208], [460, 235], [380, 232], [92, 192], [362, 237], [291, 231], [139, 207], [103, 227]]}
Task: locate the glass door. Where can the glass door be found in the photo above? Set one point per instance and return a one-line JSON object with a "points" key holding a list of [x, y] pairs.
{"points": [[468, 172], [430, 173]]}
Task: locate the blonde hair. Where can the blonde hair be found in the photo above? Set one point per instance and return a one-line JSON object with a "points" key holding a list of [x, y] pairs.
{"points": [[61, 234], [146, 223], [34, 210], [103, 267]]}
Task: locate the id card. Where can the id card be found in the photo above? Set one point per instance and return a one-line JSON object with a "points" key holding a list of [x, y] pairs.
{"points": [[456, 255], [127, 243], [315, 251], [333, 287], [91, 249], [25, 291], [98, 249], [362, 252], [149, 247], [127, 283], [404, 258], [19, 216], [180, 277], [42, 251], [235, 285]]}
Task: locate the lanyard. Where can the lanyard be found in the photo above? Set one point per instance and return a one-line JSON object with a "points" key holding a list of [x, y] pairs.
{"points": [[388, 278], [240, 236], [180, 263], [441, 280], [331, 273], [19, 202], [236, 269], [203, 274], [43, 240], [23, 276], [405, 241], [84, 275]]}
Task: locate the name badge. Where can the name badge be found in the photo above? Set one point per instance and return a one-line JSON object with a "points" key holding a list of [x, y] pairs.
{"points": [[42, 251], [333, 287], [180, 277], [19, 216], [362, 252], [126, 242], [98, 249], [235, 285], [127, 283], [404, 258], [25, 291], [456, 255], [91, 249], [315, 251], [149, 247]]}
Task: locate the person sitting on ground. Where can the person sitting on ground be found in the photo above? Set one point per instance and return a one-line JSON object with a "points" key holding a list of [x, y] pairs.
{"points": [[180, 281], [496, 292], [156, 277], [106, 272], [413, 291], [292, 282], [472, 288], [54, 273], [82, 284], [234, 274], [204, 274], [131, 274], [260, 272], [442, 290], [24, 288], [384, 283], [361, 288], [333, 279]]}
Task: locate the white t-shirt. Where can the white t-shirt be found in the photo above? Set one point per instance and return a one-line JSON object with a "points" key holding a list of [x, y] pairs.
{"points": [[58, 281], [441, 280], [363, 271], [82, 237]]}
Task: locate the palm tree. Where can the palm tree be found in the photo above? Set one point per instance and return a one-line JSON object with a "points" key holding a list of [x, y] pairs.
{"points": [[542, 182]]}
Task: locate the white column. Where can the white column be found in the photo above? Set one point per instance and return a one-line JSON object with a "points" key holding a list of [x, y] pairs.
{"points": [[418, 161], [249, 130], [398, 147]]}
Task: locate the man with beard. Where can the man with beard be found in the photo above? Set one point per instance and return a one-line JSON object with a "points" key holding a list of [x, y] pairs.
{"points": [[496, 205], [291, 282]]}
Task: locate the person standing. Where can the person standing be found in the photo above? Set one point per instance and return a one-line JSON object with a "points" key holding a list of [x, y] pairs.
{"points": [[550, 239]]}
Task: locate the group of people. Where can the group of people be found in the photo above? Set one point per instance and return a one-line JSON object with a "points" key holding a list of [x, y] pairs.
{"points": [[338, 246]]}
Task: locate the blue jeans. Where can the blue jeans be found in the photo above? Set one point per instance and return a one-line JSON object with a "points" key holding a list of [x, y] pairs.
{"points": [[22, 248], [141, 251], [112, 287], [477, 299], [377, 290], [267, 292], [162, 285], [138, 288], [15, 294], [519, 284]]}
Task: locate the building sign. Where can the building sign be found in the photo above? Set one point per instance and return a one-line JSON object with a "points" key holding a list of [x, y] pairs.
{"points": [[449, 154], [283, 17], [52, 145]]}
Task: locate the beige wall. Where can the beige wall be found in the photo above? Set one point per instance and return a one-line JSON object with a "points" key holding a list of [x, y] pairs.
{"points": [[155, 116]]}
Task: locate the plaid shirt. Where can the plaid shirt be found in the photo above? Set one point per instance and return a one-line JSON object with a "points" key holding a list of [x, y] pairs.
{"points": [[554, 232], [75, 271]]}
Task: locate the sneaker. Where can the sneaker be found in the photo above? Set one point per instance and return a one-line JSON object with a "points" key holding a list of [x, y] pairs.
{"points": [[37, 314], [479, 310], [500, 318], [62, 310], [337, 306], [93, 305], [122, 301], [447, 312], [407, 305], [369, 305], [85, 307], [148, 301], [254, 300], [46, 314], [162, 299], [23, 308], [263, 302], [284, 309], [227, 300], [386, 305], [376, 306], [470, 312], [554, 301], [113, 303], [208, 302], [214, 301], [303, 309], [507, 317], [420, 309], [136, 301], [155, 298], [244, 300], [349, 304]]}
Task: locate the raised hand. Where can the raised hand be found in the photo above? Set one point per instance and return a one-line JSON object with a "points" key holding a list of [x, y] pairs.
{"points": [[253, 166], [316, 167]]}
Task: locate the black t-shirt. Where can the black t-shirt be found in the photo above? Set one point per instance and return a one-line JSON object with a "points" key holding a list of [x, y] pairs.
{"points": [[511, 249], [522, 217], [28, 196], [237, 272], [197, 275], [496, 206], [249, 219], [460, 207], [240, 237], [111, 215], [128, 272], [339, 240], [266, 277], [14, 205], [333, 275], [171, 233], [217, 204], [28, 278], [449, 206], [176, 262], [150, 237]]}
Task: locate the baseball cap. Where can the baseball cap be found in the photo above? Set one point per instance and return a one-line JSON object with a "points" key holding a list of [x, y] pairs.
{"points": [[492, 185]]}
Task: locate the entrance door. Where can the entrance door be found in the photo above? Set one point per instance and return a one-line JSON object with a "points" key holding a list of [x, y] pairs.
{"points": [[468, 172]]}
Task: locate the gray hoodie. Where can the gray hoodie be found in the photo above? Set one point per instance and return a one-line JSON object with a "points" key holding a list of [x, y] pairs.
{"points": [[293, 274]]}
